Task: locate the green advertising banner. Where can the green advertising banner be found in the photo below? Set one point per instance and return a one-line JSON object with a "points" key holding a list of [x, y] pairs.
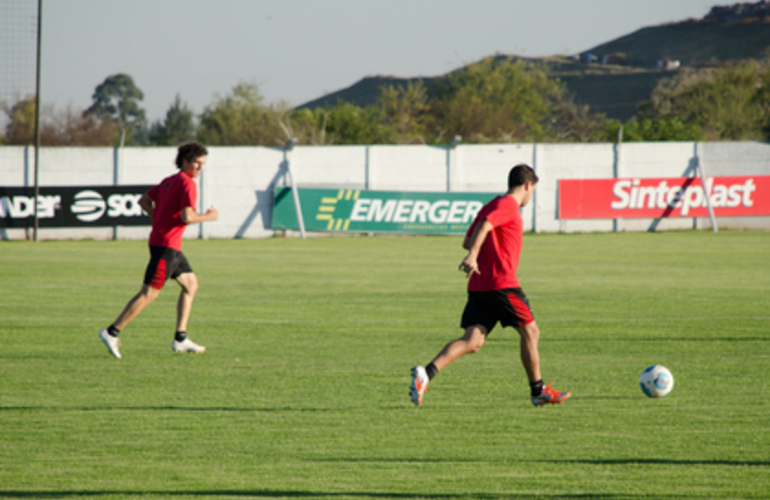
{"points": [[355, 210]]}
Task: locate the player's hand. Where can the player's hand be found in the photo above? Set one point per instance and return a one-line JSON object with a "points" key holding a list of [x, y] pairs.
{"points": [[469, 266], [212, 213]]}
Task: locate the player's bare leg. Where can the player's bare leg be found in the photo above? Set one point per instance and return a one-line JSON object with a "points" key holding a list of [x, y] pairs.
{"points": [[136, 305], [189, 284], [530, 356], [469, 343]]}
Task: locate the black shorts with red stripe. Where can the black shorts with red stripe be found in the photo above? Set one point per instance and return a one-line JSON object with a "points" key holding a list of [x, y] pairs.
{"points": [[508, 306], [165, 263]]}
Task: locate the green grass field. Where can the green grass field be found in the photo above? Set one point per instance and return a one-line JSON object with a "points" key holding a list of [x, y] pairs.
{"points": [[303, 391]]}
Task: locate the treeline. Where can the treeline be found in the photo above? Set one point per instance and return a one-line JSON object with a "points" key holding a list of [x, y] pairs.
{"points": [[491, 101]]}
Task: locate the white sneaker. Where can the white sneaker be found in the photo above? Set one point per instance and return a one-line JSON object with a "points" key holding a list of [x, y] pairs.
{"points": [[420, 383], [112, 343], [187, 345]]}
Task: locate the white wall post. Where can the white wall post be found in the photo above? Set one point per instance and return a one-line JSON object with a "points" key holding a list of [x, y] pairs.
{"points": [[294, 192], [451, 161], [706, 193]]}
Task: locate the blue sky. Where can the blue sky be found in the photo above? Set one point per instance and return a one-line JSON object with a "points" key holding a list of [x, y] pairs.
{"points": [[298, 50]]}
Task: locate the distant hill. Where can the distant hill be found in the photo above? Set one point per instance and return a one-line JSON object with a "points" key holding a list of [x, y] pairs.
{"points": [[634, 63], [691, 42]]}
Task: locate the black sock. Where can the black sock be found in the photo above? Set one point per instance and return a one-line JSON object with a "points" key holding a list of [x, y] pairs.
{"points": [[113, 331], [431, 370], [536, 387], [180, 336]]}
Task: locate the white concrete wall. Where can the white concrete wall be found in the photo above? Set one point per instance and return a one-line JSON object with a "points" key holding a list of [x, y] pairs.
{"points": [[735, 158], [239, 181]]}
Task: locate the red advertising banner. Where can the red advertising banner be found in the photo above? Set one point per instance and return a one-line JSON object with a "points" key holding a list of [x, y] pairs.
{"points": [[653, 198]]}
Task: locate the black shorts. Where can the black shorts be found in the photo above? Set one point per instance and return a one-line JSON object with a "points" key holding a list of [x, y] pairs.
{"points": [[165, 263], [509, 306]]}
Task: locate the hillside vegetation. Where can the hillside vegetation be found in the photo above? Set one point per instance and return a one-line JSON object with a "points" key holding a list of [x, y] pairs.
{"points": [[727, 34]]}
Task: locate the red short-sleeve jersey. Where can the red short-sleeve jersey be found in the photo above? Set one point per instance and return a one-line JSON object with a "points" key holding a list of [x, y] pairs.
{"points": [[171, 196], [499, 255]]}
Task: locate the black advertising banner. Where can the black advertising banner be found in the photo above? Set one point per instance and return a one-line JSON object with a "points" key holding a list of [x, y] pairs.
{"points": [[73, 206]]}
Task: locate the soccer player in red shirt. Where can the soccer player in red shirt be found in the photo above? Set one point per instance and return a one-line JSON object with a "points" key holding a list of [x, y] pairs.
{"points": [[171, 205], [494, 242]]}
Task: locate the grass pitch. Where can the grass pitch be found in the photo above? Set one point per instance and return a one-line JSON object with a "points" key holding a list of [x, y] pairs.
{"points": [[303, 392]]}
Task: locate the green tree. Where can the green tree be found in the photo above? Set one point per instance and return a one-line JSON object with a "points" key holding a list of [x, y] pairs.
{"points": [[241, 118], [571, 122], [21, 121], [308, 126], [177, 128], [407, 111], [116, 100], [343, 123], [57, 128], [728, 103], [670, 128], [761, 98], [72, 128], [350, 124], [496, 101]]}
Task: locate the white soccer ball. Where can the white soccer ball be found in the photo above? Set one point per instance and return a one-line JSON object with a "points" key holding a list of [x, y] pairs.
{"points": [[656, 381]]}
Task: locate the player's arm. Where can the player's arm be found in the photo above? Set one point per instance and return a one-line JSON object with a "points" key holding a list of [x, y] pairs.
{"points": [[473, 244], [471, 233], [190, 216], [467, 241], [147, 204]]}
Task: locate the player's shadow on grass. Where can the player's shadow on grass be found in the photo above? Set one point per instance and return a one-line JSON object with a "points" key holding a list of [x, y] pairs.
{"points": [[660, 461], [660, 339], [622, 461], [316, 494], [172, 408], [604, 398]]}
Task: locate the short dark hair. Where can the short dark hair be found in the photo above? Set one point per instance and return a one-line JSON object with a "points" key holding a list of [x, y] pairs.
{"points": [[189, 151], [520, 175]]}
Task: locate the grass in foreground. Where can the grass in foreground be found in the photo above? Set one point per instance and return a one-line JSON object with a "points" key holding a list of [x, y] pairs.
{"points": [[303, 391]]}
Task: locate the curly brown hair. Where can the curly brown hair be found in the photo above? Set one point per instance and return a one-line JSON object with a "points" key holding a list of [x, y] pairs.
{"points": [[190, 151]]}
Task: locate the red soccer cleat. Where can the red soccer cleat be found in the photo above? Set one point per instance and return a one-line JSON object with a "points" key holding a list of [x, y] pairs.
{"points": [[549, 396]]}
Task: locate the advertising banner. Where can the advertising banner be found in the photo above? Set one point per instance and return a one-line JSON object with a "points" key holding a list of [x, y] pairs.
{"points": [[70, 206], [378, 211], [656, 198]]}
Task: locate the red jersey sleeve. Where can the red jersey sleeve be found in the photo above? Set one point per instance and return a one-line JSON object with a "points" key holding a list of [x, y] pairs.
{"points": [[502, 213], [153, 192], [475, 223], [189, 196]]}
